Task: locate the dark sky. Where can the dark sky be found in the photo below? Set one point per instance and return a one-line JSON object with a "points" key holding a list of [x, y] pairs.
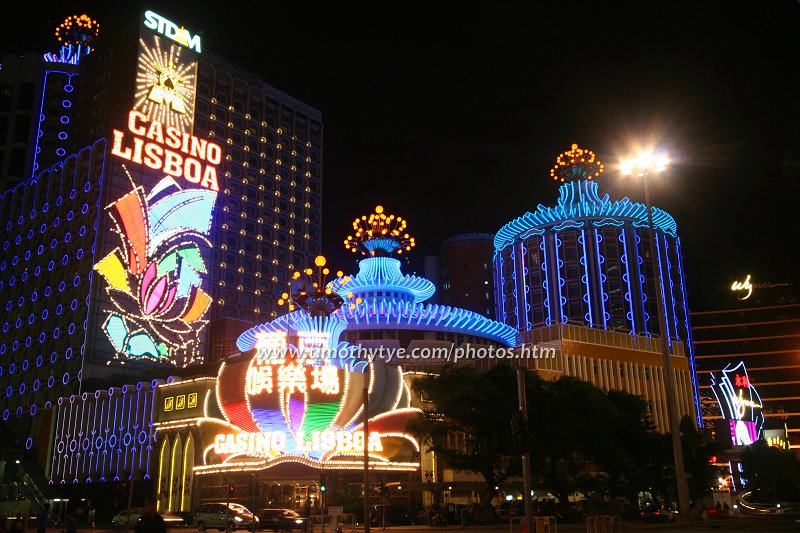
{"points": [[452, 113]]}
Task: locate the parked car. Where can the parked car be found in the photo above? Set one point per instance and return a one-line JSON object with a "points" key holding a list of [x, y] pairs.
{"points": [[170, 519], [219, 515], [280, 519], [119, 519], [658, 514]]}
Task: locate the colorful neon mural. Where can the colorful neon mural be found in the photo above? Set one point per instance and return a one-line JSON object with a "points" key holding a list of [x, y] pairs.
{"points": [[739, 403], [154, 278]]}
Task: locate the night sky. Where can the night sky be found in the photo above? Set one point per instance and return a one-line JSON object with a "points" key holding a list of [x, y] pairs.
{"points": [[452, 115]]}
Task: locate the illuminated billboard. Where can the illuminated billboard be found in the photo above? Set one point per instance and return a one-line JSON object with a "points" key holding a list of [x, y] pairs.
{"points": [[267, 410], [739, 403], [153, 277], [166, 72]]}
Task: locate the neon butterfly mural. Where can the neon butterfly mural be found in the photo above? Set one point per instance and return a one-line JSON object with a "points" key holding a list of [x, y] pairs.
{"points": [[153, 277]]}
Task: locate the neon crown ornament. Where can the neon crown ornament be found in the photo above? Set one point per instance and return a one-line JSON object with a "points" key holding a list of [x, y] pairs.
{"points": [[379, 234], [576, 164], [311, 292]]}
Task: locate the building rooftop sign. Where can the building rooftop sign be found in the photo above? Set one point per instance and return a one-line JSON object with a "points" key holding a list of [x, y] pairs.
{"points": [[170, 30]]}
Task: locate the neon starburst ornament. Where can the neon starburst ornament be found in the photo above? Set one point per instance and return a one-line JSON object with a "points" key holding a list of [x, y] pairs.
{"points": [[310, 291], [165, 89], [77, 35], [576, 164], [165, 83], [379, 234], [78, 30]]}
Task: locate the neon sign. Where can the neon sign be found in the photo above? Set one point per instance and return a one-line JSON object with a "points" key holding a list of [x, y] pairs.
{"points": [[273, 407], [267, 443], [153, 277], [748, 286], [739, 403], [740, 286], [170, 30], [191, 158]]}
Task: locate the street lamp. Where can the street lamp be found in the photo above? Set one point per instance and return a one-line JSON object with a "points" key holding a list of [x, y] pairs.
{"points": [[642, 165]]}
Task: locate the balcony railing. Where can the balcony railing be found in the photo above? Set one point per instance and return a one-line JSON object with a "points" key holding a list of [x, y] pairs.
{"points": [[602, 337]]}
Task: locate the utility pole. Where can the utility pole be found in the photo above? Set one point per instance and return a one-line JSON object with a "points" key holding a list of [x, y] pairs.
{"points": [[366, 455], [526, 454]]}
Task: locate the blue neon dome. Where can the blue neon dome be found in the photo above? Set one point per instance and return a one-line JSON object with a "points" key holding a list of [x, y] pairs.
{"points": [[585, 261]]}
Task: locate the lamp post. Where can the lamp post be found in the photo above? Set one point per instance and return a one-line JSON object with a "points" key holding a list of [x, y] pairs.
{"points": [[642, 165]]}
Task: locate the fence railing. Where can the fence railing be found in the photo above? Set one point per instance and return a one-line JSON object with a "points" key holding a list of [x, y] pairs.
{"points": [[541, 524], [603, 524]]}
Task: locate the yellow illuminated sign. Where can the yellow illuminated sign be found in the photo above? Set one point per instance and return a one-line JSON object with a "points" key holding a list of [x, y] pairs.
{"points": [[741, 286], [268, 443]]}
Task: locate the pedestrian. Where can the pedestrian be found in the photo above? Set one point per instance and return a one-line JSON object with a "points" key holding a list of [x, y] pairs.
{"points": [[41, 518], [151, 521], [725, 510], [17, 526], [72, 524]]}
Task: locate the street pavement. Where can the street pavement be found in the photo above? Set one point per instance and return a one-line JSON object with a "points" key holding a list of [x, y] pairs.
{"points": [[734, 525]]}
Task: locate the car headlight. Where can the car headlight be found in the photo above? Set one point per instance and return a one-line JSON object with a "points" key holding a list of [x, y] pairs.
{"points": [[298, 521], [237, 518]]}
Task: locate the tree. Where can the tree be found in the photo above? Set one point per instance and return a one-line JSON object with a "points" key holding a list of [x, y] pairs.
{"points": [[462, 400], [771, 471], [701, 475]]}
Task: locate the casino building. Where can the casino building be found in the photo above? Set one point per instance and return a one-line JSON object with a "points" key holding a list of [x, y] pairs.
{"points": [[275, 421], [756, 324], [165, 191], [578, 276]]}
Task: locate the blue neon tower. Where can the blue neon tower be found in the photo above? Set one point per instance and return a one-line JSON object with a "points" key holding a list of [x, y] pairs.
{"points": [[584, 265]]}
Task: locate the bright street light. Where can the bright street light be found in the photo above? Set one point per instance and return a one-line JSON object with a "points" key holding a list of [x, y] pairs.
{"points": [[642, 165], [645, 162]]}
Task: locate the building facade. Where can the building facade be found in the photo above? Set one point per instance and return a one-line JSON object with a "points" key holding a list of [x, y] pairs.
{"points": [[757, 326], [579, 275], [465, 263], [169, 188]]}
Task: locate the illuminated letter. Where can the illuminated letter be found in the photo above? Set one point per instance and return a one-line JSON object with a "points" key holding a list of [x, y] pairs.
{"points": [[210, 179], [229, 446], [152, 155], [219, 442], [214, 153], [185, 145], [172, 163], [132, 126], [151, 20], [117, 147], [328, 440], [194, 43], [278, 441], [198, 147], [261, 443], [375, 442], [241, 442], [358, 440], [173, 139], [192, 170], [344, 441], [137, 150], [155, 132]]}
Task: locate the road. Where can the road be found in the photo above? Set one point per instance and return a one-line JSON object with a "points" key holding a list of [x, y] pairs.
{"points": [[736, 525]]}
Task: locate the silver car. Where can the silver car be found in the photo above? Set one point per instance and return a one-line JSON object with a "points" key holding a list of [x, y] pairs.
{"points": [[222, 515]]}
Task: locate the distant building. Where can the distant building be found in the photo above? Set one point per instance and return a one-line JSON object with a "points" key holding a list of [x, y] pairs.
{"points": [[579, 276], [758, 324], [465, 263]]}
